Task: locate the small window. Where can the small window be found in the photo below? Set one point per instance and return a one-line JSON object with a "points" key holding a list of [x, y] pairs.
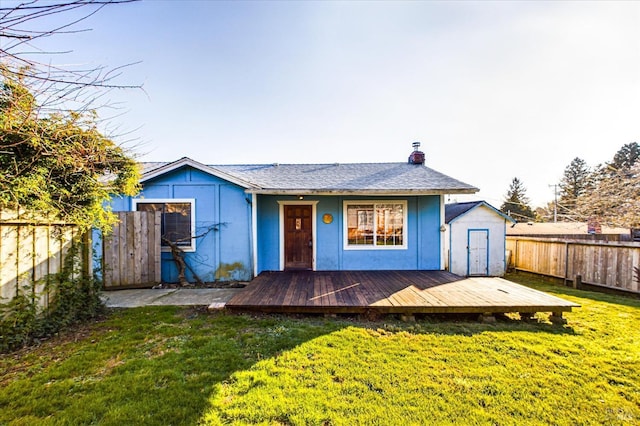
{"points": [[375, 225], [178, 220]]}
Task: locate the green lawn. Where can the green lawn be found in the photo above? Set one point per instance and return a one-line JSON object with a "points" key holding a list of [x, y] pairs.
{"points": [[166, 365]]}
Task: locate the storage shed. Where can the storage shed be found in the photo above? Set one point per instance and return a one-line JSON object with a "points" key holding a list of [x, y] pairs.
{"points": [[475, 239]]}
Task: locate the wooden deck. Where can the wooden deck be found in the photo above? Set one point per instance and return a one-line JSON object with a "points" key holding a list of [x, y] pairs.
{"points": [[390, 292]]}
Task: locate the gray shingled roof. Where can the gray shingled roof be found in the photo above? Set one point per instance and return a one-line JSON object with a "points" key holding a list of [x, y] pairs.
{"points": [[451, 211], [148, 166], [455, 210], [366, 178]]}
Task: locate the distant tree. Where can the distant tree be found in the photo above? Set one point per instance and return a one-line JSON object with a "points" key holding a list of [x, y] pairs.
{"points": [[626, 156], [608, 193], [516, 203], [574, 183], [546, 213], [615, 197]]}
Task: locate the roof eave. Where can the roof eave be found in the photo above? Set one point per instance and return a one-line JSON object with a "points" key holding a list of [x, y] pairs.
{"points": [[186, 161], [487, 205], [372, 192]]}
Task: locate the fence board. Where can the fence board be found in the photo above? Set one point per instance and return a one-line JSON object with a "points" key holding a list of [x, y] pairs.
{"points": [[635, 283], [142, 267], [156, 243], [602, 263], [131, 254], [130, 249], [30, 253], [24, 255], [41, 264], [111, 256], [66, 236], [8, 262], [122, 250]]}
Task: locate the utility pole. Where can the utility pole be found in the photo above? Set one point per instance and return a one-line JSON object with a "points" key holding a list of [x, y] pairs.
{"points": [[555, 202]]}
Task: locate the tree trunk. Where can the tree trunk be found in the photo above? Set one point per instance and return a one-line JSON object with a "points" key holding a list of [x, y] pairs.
{"points": [[178, 256]]}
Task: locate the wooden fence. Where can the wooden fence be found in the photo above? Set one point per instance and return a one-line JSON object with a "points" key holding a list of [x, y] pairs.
{"points": [[131, 253], [599, 263], [31, 252]]}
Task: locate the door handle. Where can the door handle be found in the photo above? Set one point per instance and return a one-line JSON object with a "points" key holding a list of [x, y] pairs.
{"points": [[310, 243]]}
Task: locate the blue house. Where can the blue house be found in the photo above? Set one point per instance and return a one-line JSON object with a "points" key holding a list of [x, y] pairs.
{"points": [[236, 221]]}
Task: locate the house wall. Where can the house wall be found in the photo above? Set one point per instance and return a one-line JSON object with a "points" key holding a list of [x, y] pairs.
{"points": [[480, 217], [224, 253], [423, 234]]}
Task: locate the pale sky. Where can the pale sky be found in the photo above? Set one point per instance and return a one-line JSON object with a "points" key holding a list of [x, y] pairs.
{"points": [[492, 90]]}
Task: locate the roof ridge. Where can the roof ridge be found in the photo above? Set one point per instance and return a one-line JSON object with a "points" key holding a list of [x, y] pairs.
{"points": [[307, 164]]}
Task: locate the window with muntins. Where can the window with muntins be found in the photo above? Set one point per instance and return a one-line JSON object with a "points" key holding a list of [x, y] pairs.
{"points": [[177, 220], [375, 225]]}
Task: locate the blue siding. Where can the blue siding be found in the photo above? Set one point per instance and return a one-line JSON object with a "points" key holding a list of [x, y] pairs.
{"points": [[329, 235], [235, 234], [423, 235], [268, 234], [224, 253], [429, 234], [120, 204]]}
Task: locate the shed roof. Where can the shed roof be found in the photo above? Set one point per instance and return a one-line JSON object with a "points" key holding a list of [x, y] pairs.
{"points": [[455, 210], [302, 179]]}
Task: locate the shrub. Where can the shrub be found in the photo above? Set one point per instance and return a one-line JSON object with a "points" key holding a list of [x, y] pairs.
{"points": [[74, 297]]}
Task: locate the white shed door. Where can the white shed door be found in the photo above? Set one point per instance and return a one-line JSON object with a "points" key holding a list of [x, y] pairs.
{"points": [[478, 252]]}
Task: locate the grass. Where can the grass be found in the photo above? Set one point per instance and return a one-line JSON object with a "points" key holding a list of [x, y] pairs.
{"points": [[168, 365]]}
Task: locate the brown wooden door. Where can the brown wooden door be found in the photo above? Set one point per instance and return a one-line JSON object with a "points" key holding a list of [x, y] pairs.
{"points": [[298, 241]]}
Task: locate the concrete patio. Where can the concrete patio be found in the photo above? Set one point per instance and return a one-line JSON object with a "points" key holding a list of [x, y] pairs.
{"points": [[214, 298]]}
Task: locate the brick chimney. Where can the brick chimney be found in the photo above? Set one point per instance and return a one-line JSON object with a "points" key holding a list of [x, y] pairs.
{"points": [[417, 156]]}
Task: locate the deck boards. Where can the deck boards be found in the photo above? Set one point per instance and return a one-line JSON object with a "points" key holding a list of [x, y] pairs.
{"points": [[404, 292]]}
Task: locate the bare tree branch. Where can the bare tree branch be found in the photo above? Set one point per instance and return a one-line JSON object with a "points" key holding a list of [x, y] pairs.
{"points": [[54, 85], [178, 254]]}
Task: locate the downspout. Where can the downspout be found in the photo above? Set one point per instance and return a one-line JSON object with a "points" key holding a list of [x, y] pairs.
{"points": [[505, 266], [450, 257], [254, 233], [441, 229]]}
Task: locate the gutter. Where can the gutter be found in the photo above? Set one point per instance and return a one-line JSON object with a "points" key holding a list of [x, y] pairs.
{"points": [[387, 192]]}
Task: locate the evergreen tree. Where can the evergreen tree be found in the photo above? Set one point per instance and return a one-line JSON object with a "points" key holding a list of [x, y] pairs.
{"points": [[545, 213], [626, 156], [609, 193], [615, 198], [615, 195], [516, 203], [574, 183]]}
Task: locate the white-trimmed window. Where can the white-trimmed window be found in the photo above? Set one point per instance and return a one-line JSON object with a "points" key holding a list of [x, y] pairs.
{"points": [[178, 219], [375, 224]]}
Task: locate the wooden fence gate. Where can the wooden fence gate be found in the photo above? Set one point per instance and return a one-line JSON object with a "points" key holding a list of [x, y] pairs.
{"points": [[131, 254]]}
